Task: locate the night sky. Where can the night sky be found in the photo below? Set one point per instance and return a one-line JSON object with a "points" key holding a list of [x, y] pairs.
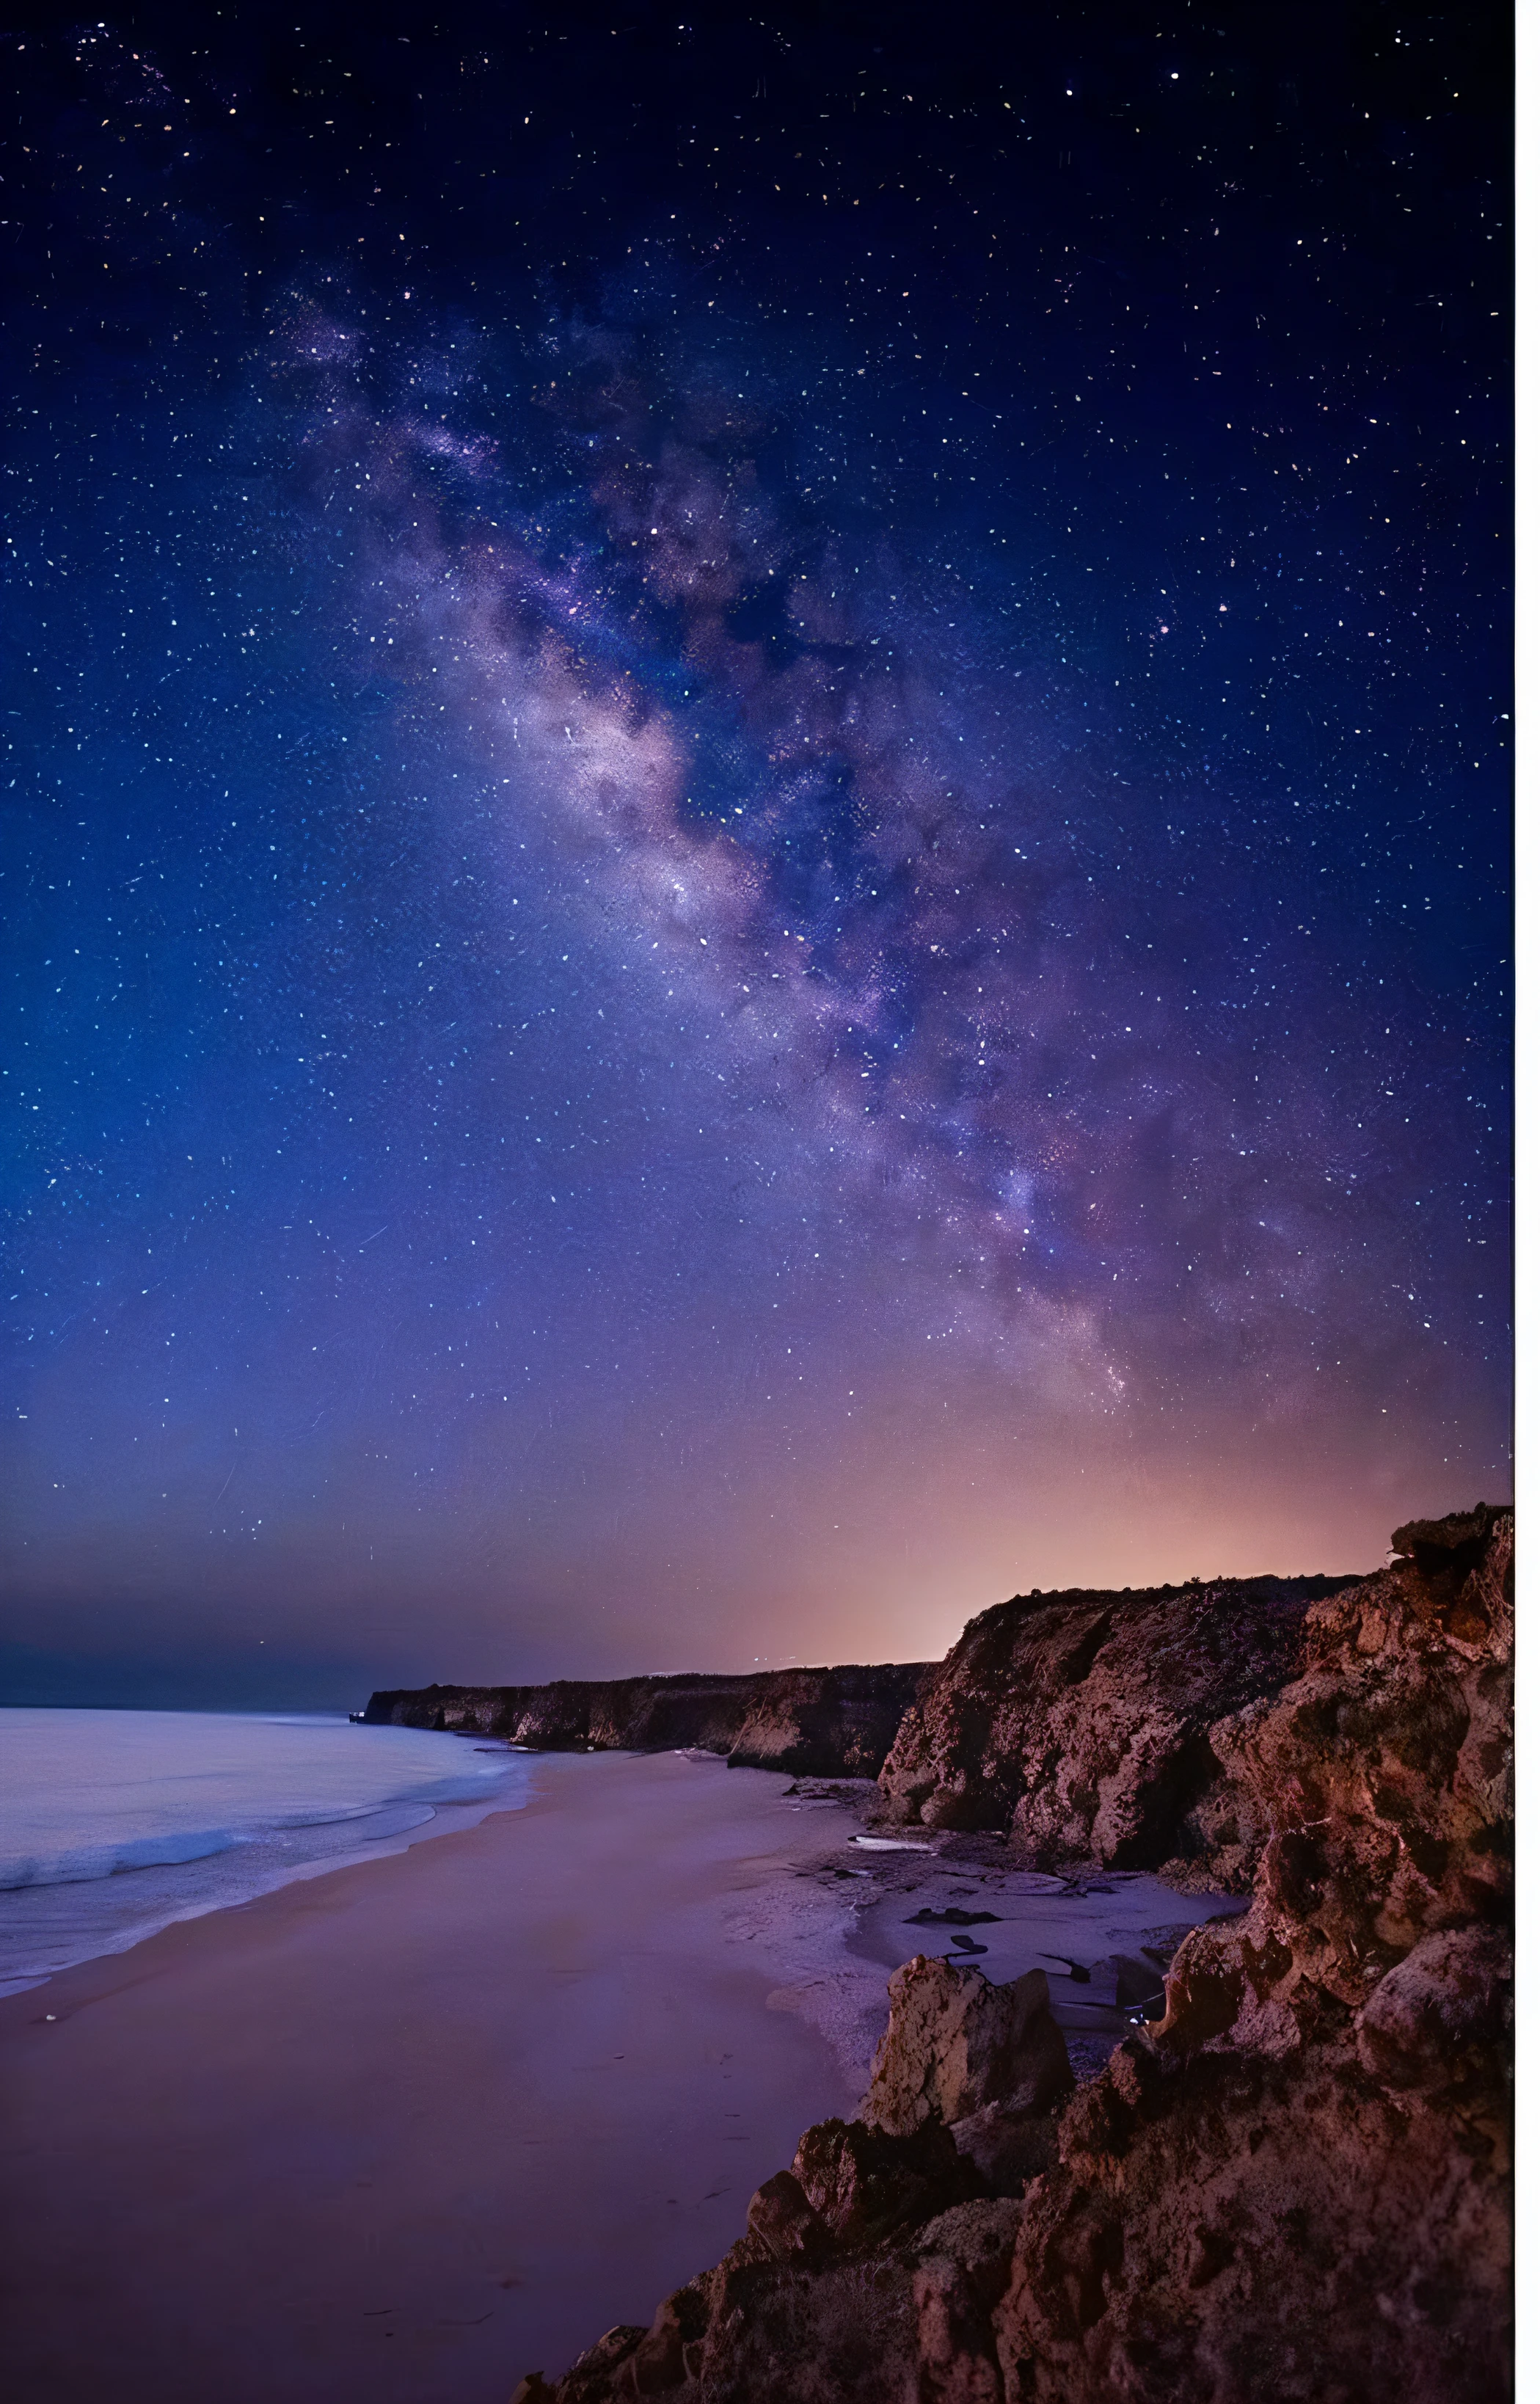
{"points": [[757, 812]]}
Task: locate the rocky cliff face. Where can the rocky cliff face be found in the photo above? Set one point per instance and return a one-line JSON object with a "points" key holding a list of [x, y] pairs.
{"points": [[1080, 1722], [890, 2240], [835, 1723], [1291, 2189]]}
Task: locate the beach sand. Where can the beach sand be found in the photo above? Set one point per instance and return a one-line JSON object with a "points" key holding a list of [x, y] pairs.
{"points": [[406, 2130], [403, 2131]]}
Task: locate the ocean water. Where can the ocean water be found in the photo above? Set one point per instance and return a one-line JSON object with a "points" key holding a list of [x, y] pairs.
{"points": [[115, 1824]]}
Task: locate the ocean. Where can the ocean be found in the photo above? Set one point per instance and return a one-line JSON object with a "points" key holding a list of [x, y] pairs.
{"points": [[115, 1824]]}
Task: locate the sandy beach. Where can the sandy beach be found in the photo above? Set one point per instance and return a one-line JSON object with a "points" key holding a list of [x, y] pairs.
{"points": [[408, 2130], [404, 2131]]}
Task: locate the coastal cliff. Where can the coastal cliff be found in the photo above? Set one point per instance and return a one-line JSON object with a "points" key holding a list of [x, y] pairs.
{"points": [[1293, 2186], [836, 1723], [1081, 1722]]}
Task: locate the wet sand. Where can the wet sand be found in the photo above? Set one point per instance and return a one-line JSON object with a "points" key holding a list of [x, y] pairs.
{"points": [[1078, 1929], [406, 2130]]}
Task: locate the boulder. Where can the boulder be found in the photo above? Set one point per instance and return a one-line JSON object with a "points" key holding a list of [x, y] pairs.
{"points": [[955, 2043]]}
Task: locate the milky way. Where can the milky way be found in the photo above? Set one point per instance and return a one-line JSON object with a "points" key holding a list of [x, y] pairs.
{"points": [[759, 851]]}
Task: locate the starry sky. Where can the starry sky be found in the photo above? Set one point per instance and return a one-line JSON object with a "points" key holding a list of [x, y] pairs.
{"points": [[756, 825]]}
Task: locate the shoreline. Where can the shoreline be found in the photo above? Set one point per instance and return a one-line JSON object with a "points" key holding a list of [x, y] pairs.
{"points": [[396, 2131], [152, 1899], [404, 2129], [54, 1922]]}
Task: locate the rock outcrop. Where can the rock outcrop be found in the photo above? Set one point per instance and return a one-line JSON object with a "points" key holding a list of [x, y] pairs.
{"points": [[835, 1723], [1293, 2188], [955, 2044], [886, 2245], [1079, 1721]]}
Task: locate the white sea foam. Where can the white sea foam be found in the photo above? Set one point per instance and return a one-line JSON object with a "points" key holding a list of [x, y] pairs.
{"points": [[114, 1824]]}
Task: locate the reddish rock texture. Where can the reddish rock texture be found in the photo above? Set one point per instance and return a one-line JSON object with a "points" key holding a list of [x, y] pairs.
{"points": [[881, 2250], [956, 2043], [813, 1723], [1080, 1722], [1296, 2184], [1292, 2189]]}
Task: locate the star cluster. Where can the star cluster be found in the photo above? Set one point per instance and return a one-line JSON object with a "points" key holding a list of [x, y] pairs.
{"points": [[756, 827]]}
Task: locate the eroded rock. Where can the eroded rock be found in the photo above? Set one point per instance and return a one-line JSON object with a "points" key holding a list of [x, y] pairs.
{"points": [[1296, 2183], [1008, 2143], [835, 1723], [1079, 1721], [1291, 2189], [955, 2043]]}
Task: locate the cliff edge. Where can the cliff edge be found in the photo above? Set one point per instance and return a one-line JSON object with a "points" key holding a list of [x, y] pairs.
{"points": [[836, 1723], [1293, 2188], [1081, 1722]]}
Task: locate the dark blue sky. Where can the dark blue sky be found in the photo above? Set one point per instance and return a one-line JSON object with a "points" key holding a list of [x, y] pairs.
{"points": [[757, 825]]}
